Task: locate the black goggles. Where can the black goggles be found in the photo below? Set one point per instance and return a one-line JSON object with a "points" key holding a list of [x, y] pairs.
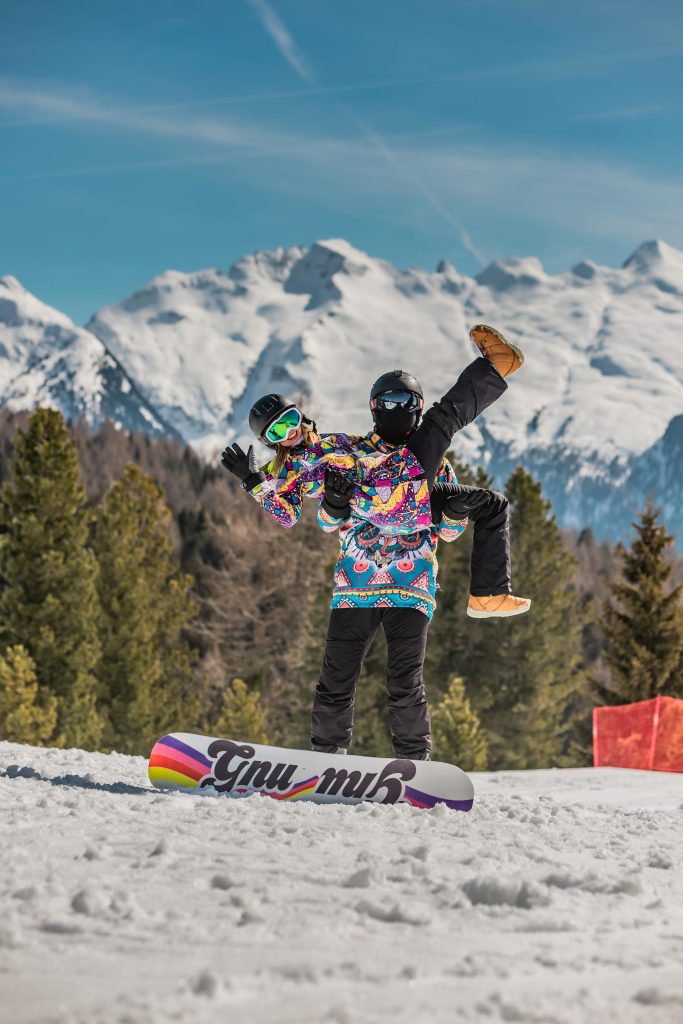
{"points": [[398, 400]]}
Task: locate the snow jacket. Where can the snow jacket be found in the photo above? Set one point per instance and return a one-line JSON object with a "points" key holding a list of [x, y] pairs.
{"points": [[388, 545], [391, 490]]}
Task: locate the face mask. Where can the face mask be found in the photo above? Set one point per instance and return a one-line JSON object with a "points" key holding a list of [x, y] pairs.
{"points": [[395, 425]]}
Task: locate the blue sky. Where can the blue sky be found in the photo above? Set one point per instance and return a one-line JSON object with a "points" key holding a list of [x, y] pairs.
{"points": [[138, 136]]}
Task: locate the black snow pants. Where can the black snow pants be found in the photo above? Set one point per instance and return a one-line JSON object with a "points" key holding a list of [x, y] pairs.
{"points": [[490, 570], [477, 387], [349, 635]]}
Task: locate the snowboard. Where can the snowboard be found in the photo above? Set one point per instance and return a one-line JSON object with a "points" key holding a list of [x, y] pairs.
{"points": [[187, 762]]}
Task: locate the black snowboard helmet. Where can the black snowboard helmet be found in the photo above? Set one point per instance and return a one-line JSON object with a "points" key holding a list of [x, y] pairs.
{"points": [[397, 424], [396, 380], [264, 411], [267, 409]]}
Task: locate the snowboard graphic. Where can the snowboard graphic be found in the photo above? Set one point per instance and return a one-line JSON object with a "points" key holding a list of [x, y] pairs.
{"points": [[184, 761]]}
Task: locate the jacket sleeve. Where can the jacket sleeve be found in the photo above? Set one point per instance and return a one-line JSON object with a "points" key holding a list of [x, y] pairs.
{"points": [[328, 523], [281, 496], [449, 529]]}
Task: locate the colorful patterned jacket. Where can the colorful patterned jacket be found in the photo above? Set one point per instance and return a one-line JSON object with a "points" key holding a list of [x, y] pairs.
{"points": [[388, 545], [391, 491]]}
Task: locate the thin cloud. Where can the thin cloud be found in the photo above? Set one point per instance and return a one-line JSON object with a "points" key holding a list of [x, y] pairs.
{"points": [[92, 110], [588, 65], [583, 197], [282, 39]]}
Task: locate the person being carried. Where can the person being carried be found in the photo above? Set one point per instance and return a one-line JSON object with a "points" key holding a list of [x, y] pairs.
{"points": [[393, 486]]}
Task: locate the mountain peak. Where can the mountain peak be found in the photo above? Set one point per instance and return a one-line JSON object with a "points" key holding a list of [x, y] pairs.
{"points": [[314, 274], [18, 305], [272, 264], [11, 284], [585, 269], [503, 274], [340, 247], [652, 254]]}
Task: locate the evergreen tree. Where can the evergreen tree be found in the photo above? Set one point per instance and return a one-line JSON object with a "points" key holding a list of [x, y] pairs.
{"points": [[456, 733], [146, 664], [26, 716], [522, 674], [48, 596], [242, 716], [531, 672], [643, 626]]}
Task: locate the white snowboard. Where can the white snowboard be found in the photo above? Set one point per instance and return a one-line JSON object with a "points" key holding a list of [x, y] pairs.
{"points": [[185, 761]]}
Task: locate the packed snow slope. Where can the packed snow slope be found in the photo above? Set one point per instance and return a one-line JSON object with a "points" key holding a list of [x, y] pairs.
{"points": [[557, 900], [596, 412]]}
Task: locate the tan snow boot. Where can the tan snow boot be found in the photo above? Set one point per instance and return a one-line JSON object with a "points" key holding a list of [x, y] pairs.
{"points": [[505, 356], [497, 606]]}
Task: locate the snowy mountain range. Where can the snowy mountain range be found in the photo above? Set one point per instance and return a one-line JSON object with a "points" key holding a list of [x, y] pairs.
{"points": [[46, 360], [596, 412]]}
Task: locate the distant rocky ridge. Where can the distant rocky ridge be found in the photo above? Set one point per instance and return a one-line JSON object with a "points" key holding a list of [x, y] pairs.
{"points": [[596, 412]]}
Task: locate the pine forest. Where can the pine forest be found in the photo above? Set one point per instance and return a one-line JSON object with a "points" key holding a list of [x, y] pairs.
{"points": [[141, 592]]}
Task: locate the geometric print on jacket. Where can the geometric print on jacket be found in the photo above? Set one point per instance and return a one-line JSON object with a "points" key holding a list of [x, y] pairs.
{"points": [[384, 560], [390, 486], [378, 570]]}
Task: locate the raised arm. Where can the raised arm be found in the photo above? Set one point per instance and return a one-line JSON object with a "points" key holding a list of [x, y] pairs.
{"points": [[280, 496]]}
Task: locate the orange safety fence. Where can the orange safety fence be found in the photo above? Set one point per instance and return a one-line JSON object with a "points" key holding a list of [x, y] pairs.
{"points": [[648, 734]]}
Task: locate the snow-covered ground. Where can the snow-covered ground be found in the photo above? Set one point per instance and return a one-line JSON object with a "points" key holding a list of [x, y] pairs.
{"points": [[558, 899]]}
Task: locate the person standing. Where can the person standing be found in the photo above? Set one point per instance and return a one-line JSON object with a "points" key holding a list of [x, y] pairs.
{"points": [[386, 576]]}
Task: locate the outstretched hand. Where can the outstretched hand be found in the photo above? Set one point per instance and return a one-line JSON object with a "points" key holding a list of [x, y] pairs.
{"points": [[241, 464]]}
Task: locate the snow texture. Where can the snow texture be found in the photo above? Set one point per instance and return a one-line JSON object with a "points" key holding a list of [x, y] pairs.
{"points": [[46, 360], [557, 900], [595, 411]]}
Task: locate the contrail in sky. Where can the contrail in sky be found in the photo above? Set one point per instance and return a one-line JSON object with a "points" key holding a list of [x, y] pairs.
{"points": [[286, 45], [282, 39]]}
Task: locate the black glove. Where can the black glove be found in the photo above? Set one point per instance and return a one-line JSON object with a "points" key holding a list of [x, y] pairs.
{"points": [[243, 465], [338, 492]]}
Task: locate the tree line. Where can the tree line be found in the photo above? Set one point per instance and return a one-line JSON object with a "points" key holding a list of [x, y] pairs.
{"points": [[141, 592]]}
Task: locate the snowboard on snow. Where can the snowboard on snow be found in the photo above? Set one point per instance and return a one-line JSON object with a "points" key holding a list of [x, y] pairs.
{"points": [[184, 761]]}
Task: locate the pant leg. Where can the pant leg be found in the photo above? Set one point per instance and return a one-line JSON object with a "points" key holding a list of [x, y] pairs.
{"points": [[477, 387], [490, 570], [406, 632], [349, 634]]}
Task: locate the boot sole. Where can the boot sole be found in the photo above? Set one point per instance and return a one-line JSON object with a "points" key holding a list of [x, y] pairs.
{"points": [[496, 615], [492, 330]]}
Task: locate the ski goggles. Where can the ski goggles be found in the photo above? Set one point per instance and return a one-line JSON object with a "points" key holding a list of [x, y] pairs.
{"points": [[279, 429], [397, 400]]}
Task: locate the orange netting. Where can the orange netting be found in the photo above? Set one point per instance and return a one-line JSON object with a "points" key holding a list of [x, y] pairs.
{"points": [[648, 734]]}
